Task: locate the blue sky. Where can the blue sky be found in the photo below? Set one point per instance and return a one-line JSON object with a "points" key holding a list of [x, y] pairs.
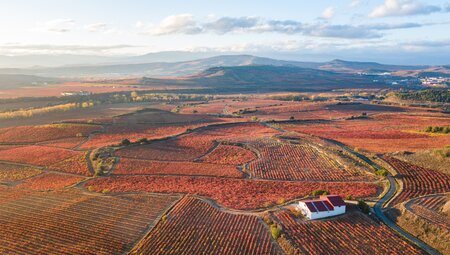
{"points": [[391, 31]]}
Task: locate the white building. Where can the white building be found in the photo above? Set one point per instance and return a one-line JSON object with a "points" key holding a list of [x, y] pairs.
{"points": [[325, 206]]}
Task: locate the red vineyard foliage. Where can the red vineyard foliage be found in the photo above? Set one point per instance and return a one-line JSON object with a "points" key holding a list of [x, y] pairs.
{"points": [[37, 155], [73, 165], [191, 146], [33, 134], [418, 181], [50, 181], [195, 227], [11, 173], [228, 155], [232, 193], [353, 233], [73, 223], [66, 143], [283, 161], [140, 166]]}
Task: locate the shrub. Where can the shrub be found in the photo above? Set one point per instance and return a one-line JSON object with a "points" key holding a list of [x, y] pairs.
{"points": [[349, 197], [381, 172], [275, 231], [292, 118], [91, 189], [105, 191], [365, 208], [281, 201], [319, 192], [125, 142]]}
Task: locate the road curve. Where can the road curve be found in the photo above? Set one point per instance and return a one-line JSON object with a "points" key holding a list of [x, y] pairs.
{"points": [[378, 209]]}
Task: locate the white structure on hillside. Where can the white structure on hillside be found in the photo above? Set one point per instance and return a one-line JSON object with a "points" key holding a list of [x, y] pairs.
{"points": [[325, 206]]}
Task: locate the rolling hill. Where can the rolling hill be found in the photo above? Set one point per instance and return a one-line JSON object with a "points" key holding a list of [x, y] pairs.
{"points": [[135, 68]]}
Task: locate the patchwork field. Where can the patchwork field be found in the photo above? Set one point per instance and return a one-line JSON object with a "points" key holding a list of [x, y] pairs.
{"points": [[195, 227], [231, 193], [205, 176], [418, 181], [381, 132], [354, 233], [74, 223], [285, 161]]}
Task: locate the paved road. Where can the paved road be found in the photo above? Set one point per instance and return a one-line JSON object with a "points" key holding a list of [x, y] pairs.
{"points": [[378, 208]]}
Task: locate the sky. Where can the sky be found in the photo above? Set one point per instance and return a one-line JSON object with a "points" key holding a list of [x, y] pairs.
{"points": [[389, 31]]}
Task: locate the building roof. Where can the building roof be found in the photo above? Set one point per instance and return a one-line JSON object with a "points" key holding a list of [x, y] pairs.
{"points": [[334, 200], [310, 206]]}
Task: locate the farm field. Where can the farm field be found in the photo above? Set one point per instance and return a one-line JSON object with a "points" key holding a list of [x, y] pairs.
{"points": [[127, 166], [194, 227], [354, 233], [285, 161], [12, 173], [63, 222], [34, 134], [192, 146], [401, 131], [418, 181], [37, 155], [431, 209], [211, 171], [231, 193]]}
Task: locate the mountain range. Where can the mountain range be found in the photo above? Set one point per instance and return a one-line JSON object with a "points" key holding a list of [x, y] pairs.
{"points": [[133, 67]]}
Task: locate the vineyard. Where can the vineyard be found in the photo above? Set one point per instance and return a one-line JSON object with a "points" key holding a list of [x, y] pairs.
{"points": [[37, 155], [418, 181], [228, 155], [231, 193], [72, 223], [353, 233], [429, 208], [284, 161], [74, 165], [139, 166], [50, 181], [116, 133], [195, 227], [11, 173], [65, 143], [382, 133], [33, 134], [193, 145]]}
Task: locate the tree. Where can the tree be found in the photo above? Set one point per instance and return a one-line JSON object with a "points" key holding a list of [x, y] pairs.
{"points": [[365, 208], [275, 231], [125, 142]]}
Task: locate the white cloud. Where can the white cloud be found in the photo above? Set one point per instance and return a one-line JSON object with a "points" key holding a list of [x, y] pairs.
{"points": [[14, 48], [186, 24], [97, 27], [354, 3], [328, 13], [182, 23], [59, 25], [402, 8]]}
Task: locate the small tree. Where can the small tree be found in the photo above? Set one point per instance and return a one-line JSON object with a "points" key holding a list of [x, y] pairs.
{"points": [[381, 172], [275, 231], [125, 142], [319, 192], [365, 208]]}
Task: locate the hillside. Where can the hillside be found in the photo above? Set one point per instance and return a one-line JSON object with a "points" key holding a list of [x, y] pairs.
{"points": [[138, 67], [270, 78], [9, 81]]}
